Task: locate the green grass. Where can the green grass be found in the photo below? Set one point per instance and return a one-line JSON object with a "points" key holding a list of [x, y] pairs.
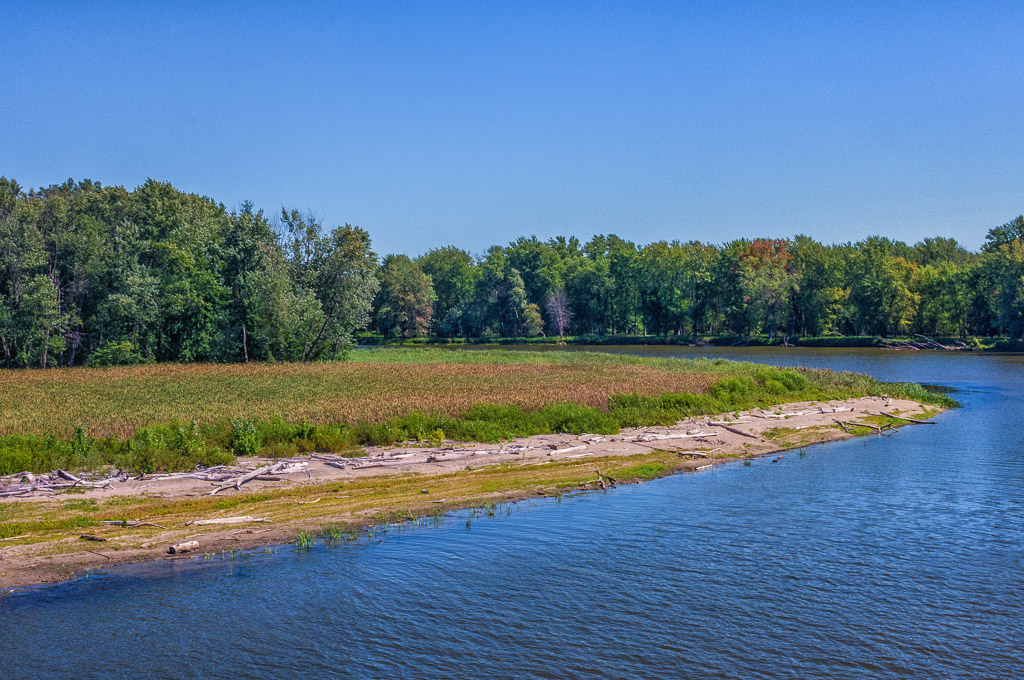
{"points": [[713, 386], [647, 471]]}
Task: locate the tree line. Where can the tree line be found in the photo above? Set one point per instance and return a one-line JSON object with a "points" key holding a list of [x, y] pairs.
{"points": [[101, 275]]}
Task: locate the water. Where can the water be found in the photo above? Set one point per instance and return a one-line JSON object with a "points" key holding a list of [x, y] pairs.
{"points": [[873, 558]]}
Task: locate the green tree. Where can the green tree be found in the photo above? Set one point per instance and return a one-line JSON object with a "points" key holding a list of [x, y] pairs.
{"points": [[1008, 269], [502, 298], [883, 287], [768, 282], [454, 276], [1004, 235], [339, 268], [404, 304]]}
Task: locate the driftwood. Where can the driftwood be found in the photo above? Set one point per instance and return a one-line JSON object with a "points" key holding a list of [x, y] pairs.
{"points": [[187, 546], [246, 519], [68, 476], [604, 481], [237, 483], [924, 343], [90, 537], [130, 523], [909, 420], [662, 437], [736, 431], [22, 477], [843, 425]]}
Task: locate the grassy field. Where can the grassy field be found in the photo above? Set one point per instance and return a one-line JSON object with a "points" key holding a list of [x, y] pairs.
{"points": [[170, 417]]}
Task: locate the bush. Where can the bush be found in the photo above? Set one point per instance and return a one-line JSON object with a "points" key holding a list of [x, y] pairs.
{"points": [[245, 438], [121, 353]]}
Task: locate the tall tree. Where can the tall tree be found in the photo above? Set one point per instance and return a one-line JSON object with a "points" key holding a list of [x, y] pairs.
{"points": [[339, 267], [404, 303], [454, 275]]}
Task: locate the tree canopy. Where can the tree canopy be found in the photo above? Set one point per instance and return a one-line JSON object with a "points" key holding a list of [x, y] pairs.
{"points": [[101, 275]]}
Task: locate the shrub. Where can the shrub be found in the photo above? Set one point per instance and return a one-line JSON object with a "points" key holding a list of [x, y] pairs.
{"points": [[245, 438], [122, 353]]}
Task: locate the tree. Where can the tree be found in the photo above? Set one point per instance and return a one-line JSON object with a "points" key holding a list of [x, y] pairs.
{"points": [[404, 303], [339, 269], [454, 277], [559, 314], [821, 302], [768, 282], [883, 287], [502, 298], [1004, 235], [1008, 268]]}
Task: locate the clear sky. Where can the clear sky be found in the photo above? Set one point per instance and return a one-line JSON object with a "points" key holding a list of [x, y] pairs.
{"points": [[474, 122]]}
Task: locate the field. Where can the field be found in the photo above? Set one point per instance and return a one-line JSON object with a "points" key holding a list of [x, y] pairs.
{"points": [[176, 416]]}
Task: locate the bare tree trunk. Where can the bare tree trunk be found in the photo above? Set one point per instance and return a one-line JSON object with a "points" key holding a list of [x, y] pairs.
{"points": [[245, 344], [46, 347]]}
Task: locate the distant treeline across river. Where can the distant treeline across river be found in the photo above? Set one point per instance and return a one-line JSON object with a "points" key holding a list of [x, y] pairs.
{"points": [[101, 275]]}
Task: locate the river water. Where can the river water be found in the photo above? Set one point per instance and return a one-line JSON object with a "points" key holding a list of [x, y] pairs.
{"points": [[880, 557]]}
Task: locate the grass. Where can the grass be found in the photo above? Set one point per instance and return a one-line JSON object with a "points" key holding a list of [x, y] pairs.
{"points": [[174, 417], [646, 471]]}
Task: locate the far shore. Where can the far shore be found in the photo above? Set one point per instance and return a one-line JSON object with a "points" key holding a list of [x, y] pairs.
{"points": [[398, 483], [895, 343]]}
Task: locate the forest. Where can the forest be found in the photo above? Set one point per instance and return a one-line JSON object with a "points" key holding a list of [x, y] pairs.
{"points": [[100, 275]]}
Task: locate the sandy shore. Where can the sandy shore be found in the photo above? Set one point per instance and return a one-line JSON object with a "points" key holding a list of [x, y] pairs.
{"points": [[413, 480]]}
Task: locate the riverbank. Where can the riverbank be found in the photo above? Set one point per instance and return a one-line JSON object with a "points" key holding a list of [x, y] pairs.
{"points": [[337, 496], [911, 343]]}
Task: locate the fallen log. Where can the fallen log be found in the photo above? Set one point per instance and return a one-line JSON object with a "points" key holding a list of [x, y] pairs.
{"points": [[604, 482], [237, 483], [842, 425], [90, 537], [246, 519], [737, 431], [185, 547], [78, 481], [909, 420], [130, 523], [68, 476], [569, 449], [663, 437], [22, 476]]}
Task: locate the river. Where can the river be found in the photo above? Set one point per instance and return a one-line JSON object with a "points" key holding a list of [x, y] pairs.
{"points": [[881, 557]]}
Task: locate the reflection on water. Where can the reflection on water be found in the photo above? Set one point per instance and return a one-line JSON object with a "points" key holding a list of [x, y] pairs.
{"points": [[880, 557]]}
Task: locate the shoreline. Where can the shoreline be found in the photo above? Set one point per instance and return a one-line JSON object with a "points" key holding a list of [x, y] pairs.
{"points": [[942, 344], [396, 484]]}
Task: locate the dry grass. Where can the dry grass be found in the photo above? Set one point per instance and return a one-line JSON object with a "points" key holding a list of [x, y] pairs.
{"points": [[115, 401]]}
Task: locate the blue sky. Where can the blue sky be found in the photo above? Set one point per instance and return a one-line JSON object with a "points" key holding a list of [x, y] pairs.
{"points": [[472, 123]]}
